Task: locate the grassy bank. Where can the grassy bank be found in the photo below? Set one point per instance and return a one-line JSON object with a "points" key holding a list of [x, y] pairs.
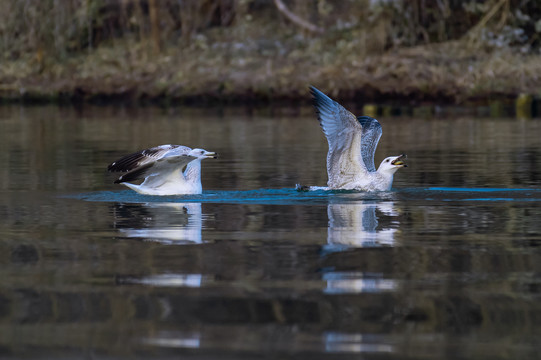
{"points": [[263, 56]]}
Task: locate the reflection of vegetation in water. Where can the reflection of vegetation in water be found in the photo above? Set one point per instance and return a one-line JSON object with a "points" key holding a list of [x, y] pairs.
{"points": [[140, 49]]}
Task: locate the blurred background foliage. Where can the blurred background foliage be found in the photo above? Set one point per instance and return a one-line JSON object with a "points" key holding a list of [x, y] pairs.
{"points": [[138, 40]]}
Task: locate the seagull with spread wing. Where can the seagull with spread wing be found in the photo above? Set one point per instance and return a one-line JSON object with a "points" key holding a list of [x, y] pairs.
{"points": [[160, 168], [352, 144]]}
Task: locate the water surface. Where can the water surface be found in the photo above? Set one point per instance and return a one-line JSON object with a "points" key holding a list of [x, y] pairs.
{"points": [[445, 266]]}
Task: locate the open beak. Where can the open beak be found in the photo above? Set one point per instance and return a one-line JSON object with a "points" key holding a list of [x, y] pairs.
{"points": [[399, 161], [211, 155]]}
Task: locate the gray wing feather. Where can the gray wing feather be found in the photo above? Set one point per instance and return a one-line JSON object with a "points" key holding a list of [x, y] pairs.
{"points": [[369, 142], [334, 119], [147, 156], [341, 129]]}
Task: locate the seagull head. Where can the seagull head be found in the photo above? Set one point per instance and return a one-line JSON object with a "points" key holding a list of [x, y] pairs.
{"points": [[392, 163], [203, 154]]}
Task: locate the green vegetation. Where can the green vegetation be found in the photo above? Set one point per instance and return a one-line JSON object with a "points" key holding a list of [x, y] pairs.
{"points": [[252, 50]]}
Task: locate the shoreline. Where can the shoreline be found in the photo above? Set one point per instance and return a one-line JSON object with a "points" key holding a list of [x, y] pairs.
{"points": [[39, 94], [521, 105], [481, 107], [437, 74]]}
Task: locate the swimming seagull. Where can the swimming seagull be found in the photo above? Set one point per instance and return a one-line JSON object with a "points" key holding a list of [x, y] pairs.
{"points": [[352, 144], [161, 168]]}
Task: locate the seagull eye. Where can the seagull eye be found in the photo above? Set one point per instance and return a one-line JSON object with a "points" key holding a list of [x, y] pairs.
{"points": [[202, 152], [387, 160]]}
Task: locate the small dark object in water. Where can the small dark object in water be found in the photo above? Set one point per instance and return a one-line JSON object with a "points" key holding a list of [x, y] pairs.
{"points": [[300, 187]]}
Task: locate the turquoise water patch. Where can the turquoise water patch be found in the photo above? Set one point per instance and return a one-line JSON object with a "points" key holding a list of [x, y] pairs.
{"points": [[290, 196], [454, 189]]}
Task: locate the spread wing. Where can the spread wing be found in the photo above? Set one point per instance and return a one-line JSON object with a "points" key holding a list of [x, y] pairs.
{"points": [[344, 133], [147, 156], [370, 138], [157, 170]]}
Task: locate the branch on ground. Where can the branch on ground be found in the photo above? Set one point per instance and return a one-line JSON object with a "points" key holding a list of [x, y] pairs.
{"points": [[296, 19]]}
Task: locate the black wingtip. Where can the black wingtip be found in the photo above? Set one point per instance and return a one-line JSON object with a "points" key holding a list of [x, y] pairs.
{"points": [[320, 101], [135, 174], [316, 93], [319, 96], [126, 163]]}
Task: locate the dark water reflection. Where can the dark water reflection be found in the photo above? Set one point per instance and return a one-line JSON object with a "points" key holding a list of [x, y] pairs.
{"points": [[445, 266]]}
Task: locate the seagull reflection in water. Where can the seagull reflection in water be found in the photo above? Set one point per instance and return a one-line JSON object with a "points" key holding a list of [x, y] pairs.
{"points": [[355, 225], [166, 223]]}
